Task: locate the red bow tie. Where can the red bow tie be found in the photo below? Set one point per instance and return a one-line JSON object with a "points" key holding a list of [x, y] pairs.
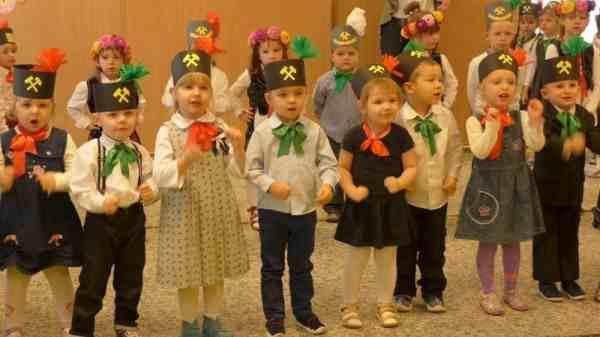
{"points": [[202, 134], [505, 120], [374, 143], [23, 143]]}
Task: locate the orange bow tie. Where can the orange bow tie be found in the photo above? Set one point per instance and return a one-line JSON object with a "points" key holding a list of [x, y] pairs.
{"points": [[23, 143], [374, 143], [505, 120], [202, 134]]}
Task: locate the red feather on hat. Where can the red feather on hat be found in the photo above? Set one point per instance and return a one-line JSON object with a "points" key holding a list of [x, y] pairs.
{"points": [[215, 22], [3, 24], [390, 63], [520, 55], [207, 45], [50, 60]]}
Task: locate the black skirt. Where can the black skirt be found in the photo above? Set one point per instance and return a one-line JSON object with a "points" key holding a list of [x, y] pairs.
{"points": [[379, 221]]}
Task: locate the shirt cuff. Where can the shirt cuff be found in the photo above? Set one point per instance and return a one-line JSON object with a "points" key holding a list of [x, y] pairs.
{"points": [[61, 181], [264, 182]]}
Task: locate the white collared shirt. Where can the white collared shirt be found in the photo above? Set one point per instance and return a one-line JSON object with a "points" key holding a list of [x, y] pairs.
{"points": [[304, 173], [426, 191], [84, 176], [79, 111], [165, 171]]}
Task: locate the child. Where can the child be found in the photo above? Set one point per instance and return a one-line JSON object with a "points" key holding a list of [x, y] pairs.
{"points": [[500, 35], [268, 45], [201, 241], [335, 102], [377, 163], [205, 32], [438, 146], [501, 204], [423, 29], [111, 180], [527, 40], [8, 49], [41, 230], [109, 53], [560, 176], [549, 32], [287, 157]]}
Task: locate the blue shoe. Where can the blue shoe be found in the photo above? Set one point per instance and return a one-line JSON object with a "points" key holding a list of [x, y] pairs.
{"points": [[214, 328], [190, 329]]}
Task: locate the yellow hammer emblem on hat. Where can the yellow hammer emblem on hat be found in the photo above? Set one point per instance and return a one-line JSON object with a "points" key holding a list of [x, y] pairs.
{"points": [[499, 11], [122, 95], [345, 36], [564, 67], [288, 73], [191, 60], [33, 83], [377, 69], [505, 59]]}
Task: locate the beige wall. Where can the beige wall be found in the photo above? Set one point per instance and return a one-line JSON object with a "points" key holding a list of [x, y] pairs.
{"points": [[155, 29]]}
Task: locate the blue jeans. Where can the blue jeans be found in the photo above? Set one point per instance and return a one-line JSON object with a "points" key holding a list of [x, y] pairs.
{"points": [[297, 232]]}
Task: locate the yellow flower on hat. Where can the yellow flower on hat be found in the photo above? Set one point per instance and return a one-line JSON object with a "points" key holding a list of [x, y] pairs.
{"points": [[567, 7], [285, 37], [439, 16]]}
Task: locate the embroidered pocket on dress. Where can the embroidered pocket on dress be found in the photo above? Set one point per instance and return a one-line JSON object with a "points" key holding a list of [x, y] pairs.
{"points": [[483, 209]]}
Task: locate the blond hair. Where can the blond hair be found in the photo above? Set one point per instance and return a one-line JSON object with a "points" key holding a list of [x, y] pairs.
{"points": [[192, 78], [382, 83]]}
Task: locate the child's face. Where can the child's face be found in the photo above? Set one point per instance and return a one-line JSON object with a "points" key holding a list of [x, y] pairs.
{"points": [[500, 35], [33, 114], [7, 55], [429, 40], [118, 125], [287, 103], [427, 86], [110, 61], [193, 98], [270, 51], [499, 88], [575, 23], [527, 25], [381, 107], [563, 94], [345, 58], [549, 25]]}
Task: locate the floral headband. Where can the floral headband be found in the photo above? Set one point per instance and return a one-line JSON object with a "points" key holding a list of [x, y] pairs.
{"points": [[569, 6], [111, 41], [425, 23], [272, 33]]}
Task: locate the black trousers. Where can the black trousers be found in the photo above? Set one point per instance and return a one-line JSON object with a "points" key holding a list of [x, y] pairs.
{"points": [[279, 231], [427, 252], [391, 42], [120, 241], [556, 252], [337, 202]]}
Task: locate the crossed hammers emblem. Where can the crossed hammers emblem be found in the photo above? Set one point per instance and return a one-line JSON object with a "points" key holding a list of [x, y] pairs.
{"points": [[122, 95], [505, 59], [288, 73], [377, 69], [499, 11], [345, 36], [33, 83], [202, 31], [417, 53], [191, 60], [564, 67]]}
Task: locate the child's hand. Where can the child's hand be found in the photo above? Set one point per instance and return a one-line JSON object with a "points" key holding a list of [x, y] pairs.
{"points": [[146, 193], [46, 180], [111, 204], [449, 185], [280, 190], [578, 143], [12, 238], [393, 185], [567, 149], [535, 111], [358, 193], [247, 115], [234, 135], [325, 194], [192, 153], [56, 240], [7, 178]]}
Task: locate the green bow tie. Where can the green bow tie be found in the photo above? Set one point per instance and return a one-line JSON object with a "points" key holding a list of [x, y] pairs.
{"points": [[341, 79], [547, 42], [289, 135], [570, 124], [119, 154], [428, 129]]}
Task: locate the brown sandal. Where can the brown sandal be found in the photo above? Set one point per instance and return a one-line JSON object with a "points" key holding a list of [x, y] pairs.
{"points": [[253, 217], [512, 299]]}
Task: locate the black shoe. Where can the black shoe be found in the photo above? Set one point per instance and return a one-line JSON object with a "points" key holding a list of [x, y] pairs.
{"points": [[549, 292], [434, 303], [312, 324], [573, 290], [275, 328], [596, 220]]}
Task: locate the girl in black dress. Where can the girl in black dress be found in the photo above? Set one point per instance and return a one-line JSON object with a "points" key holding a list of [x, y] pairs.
{"points": [[377, 163]]}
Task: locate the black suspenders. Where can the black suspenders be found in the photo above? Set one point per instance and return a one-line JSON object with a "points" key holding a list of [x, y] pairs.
{"points": [[101, 180]]}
